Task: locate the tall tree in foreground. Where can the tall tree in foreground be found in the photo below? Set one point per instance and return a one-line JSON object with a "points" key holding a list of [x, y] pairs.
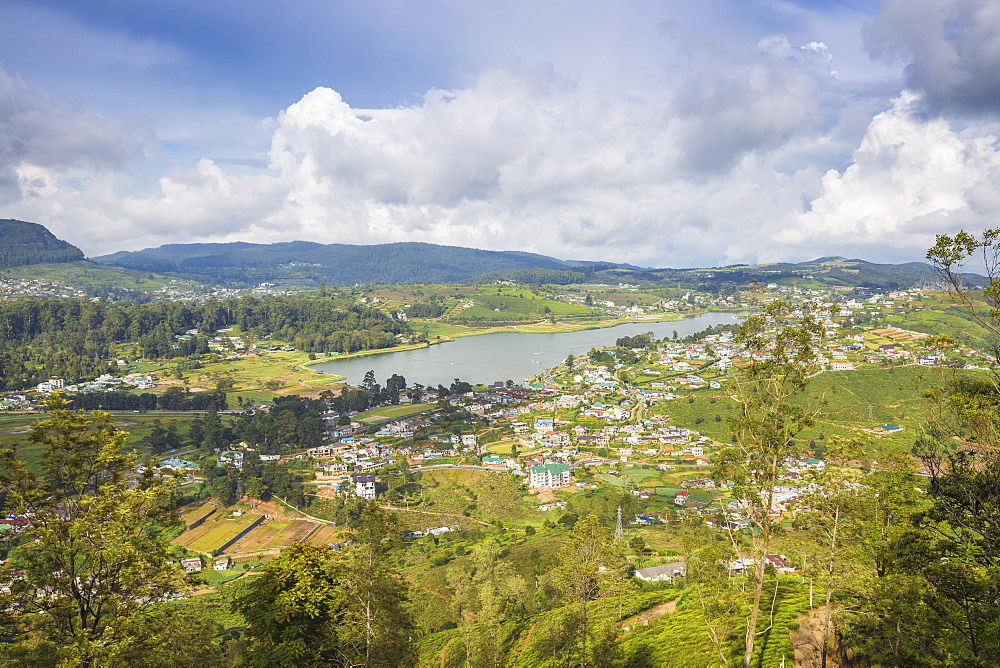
{"points": [[591, 566], [489, 594], [94, 559], [319, 606], [781, 344], [375, 624]]}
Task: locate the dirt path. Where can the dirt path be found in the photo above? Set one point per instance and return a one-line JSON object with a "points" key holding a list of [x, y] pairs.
{"points": [[643, 618], [807, 640]]}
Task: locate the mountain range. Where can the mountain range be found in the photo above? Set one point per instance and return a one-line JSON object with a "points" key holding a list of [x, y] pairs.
{"points": [[305, 262]]}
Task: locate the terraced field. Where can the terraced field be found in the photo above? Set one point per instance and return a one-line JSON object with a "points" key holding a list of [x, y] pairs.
{"points": [[274, 535], [215, 532], [325, 534]]}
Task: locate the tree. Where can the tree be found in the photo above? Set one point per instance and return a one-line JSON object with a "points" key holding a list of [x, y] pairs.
{"points": [[394, 386], [488, 592], [834, 501], [95, 557], [707, 579], [376, 622], [949, 256], [460, 387], [591, 566], [766, 423], [291, 609], [318, 606]]}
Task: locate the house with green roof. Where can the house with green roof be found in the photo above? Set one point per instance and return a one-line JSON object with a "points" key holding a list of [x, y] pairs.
{"points": [[550, 475]]}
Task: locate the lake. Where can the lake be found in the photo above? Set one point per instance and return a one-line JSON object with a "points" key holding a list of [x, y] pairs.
{"points": [[505, 356]]}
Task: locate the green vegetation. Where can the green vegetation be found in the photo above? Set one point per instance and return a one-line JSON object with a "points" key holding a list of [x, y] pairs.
{"points": [[78, 338], [96, 542], [24, 243]]}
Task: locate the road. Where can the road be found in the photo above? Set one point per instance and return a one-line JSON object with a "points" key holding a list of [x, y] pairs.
{"points": [[467, 467]]}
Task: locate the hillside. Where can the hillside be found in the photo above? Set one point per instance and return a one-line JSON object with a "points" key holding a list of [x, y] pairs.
{"points": [[346, 264], [24, 243], [95, 279], [310, 263], [826, 272], [341, 264]]}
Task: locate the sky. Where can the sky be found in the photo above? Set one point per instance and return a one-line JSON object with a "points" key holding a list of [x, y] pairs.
{"points": [[662, 134]]}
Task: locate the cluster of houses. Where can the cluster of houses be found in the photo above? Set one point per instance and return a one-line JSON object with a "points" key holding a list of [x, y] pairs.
{"points": [[17, 288], [677, 570], [195, 564], [103, 383], [178, 290]]}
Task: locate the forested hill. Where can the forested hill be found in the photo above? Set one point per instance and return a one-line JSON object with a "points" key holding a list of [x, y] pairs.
{"points": [[342, 264], [345, 264], [24, 243]]}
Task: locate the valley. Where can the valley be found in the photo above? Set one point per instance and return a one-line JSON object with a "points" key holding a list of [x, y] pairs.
{"points": [[295, 423]]}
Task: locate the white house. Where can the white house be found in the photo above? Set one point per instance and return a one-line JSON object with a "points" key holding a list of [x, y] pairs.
{"points": [[364, 485]]}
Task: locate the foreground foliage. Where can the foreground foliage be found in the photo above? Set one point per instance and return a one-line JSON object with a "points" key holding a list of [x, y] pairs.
{"points": [[319, 606], [94, 559]]}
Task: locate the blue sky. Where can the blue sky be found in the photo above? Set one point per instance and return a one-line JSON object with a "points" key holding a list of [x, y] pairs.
{"points": [[649, 132]]}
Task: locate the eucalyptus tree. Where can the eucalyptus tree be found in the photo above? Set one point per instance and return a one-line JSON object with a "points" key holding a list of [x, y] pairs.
{"points": [[488, 601], [834, 501], [591, 566], [781, 344]]}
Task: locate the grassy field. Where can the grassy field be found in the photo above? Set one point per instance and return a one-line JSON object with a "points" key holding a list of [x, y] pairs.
{"points": [[394, 411], [252, 375], [845, 403], [14, 431]]}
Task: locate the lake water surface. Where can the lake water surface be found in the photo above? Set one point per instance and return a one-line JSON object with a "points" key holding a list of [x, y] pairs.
{"points": [[505, 356]]}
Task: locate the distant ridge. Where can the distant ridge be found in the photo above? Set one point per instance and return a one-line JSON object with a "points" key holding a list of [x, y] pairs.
{"points": [[411, 262], [344, 264], [23, 243], [830, 271]]}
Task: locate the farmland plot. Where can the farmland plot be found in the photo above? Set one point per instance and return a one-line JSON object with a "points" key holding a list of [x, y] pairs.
{"points": [[325, 534], [274, 535], [215, 532]]}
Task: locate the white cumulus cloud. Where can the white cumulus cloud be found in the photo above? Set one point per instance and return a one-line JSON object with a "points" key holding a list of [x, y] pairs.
{"points": [[522, 159], [910, 179]]}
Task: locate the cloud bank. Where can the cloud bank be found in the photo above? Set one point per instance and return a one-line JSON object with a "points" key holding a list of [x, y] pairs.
{"points": [[740, 152]]}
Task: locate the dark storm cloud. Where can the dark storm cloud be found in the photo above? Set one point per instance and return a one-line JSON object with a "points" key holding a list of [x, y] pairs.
{"points": [[952, 48]]}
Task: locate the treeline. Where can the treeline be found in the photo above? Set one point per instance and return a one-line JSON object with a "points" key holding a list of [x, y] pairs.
{"points": [[638, 341], [431, 309], [370, 394], [74, 338], [176, 398], [291, 421]]}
